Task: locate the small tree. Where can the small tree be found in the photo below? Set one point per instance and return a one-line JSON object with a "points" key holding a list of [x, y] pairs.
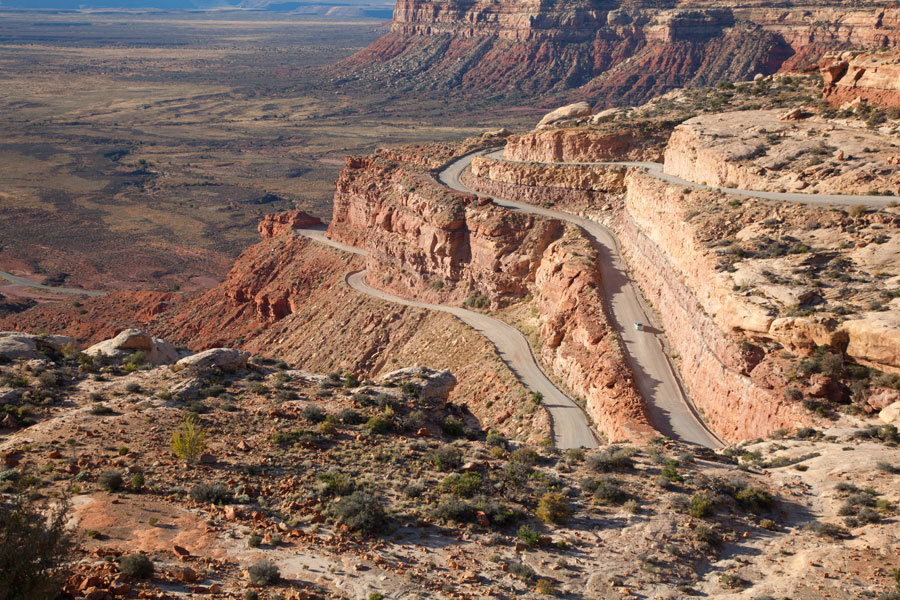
{"points": [[34, 549], [189, 440], [553, 507]]}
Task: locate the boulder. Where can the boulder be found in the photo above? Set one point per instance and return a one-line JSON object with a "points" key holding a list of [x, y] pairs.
{"points": [[434, 384], [495, 133], [227, 359], [881, 398], [891, 414], [14, 346], [9, 395], [565, 113], [129, 341], [606, 115], [791, 114], [189, 389]]}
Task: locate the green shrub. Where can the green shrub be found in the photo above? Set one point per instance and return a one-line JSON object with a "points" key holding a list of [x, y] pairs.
{"points": [[497, 513], [138, 566], [348, 416], [702, 506], [111, 481], [446, 457], [452, 426], [754, 500], [411, 389], [35, 549], [137, 482], [670, 471], [378, 425], [553, 507], [708, 536], [313, 413], [829, 530], [452, 509], [264, 573], [333, 483], [254, 541], [528, 536], [216, 493], [189, 440], [495, 440], [520, 570], [463, 485], [607, 461], [607, 491], [526, 455], [100, 409], [360, 511]]}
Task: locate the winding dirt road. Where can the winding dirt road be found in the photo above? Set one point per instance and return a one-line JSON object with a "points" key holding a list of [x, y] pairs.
{"points": [[49, 288], [570, 425], [657, 170], [671, 411]]}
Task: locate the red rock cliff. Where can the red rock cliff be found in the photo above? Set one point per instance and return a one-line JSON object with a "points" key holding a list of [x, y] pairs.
{"points": [[615, 53], [425, 241], [415, 231]]}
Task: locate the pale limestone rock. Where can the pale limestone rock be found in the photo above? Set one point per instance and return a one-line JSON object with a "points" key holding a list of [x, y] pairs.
{"points": [[228, 359], [891, 414], [129, 341], [434, 384], [875, 338], [565, 113], [606, 115], [15, 346]]}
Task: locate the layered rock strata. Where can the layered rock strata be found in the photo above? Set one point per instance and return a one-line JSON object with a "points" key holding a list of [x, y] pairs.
{"points": [[425, 241], [614, 52], [873, 77], [452, 245], [579, 345], [572, 187], [585, 145], [738, 397]]}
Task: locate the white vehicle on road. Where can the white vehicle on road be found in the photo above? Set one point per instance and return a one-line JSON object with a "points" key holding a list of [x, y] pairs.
{"points": [[638, 326]]}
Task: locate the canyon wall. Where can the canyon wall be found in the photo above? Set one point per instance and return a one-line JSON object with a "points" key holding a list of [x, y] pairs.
{"points": [[741, 396], [417, 233], [425, 240], [571, 187], [873, 77], [612, 53], [579, 345], [520, 50], [738, 398], [586, 145]]}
